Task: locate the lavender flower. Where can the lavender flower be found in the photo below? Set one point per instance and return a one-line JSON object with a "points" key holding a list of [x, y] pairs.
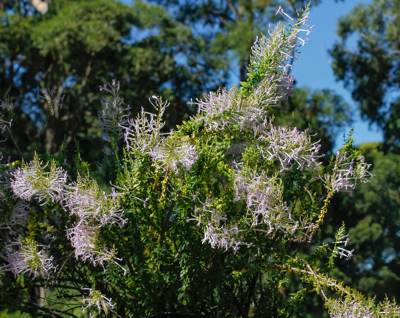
{"points": [[347, 173], [97, 301], [84, 240], [222, 237], [345, 253], [85, 200], [264, 199], [341, 242], [174, 155], [25, 256], [144, 132], [34, 181], [217, 232], [272, 57], [215, 104], [94, 209], [113, 115], [348, 308], [289, 146], [219, 235]]}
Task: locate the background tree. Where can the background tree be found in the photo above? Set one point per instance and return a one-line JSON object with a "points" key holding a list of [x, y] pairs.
{"points": [[71, 50], [52, 63], [367, 61]]}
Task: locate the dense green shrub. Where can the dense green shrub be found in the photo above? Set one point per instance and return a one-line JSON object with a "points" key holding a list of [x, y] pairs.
{"points": [[214, 219]]}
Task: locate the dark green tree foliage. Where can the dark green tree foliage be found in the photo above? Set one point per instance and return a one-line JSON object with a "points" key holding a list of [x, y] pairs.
{"points": [[367, 60], [79, 45]]}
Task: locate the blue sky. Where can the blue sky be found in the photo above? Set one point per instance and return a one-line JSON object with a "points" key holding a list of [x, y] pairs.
{"points": [[313, 65]]}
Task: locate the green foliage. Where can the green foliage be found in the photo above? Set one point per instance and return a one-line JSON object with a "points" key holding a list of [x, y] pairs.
{"points": [[78, 46]]}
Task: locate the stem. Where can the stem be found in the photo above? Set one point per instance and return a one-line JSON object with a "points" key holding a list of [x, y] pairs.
{"points": [[322, 214]]}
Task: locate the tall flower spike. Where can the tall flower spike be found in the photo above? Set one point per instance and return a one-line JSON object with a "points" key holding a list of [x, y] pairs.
{"points": [[97, 301], [114, 112], [25, 256], [34, 180], [144, 132], [269, 60]]}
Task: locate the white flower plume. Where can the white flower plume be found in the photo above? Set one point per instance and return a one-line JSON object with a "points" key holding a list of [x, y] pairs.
{"points": [[26, 256], [35, 181], [179, 154], [98, 302], [288, 146], [347, 173], [348, 308], [144, 132], [88, 202]]}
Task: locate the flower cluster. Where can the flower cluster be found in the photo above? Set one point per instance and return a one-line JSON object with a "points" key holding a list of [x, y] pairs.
{"points": [[25, 256], [144, 132], [221, 236], [97, 301], [348, 308], [88, 202], [347, 173], [219, 109], [94, 209], [275, 85], [84, 240], [341, 242], [216, 103], [289, 146], [217, 232], [264, 199], [271, 58], [172, 156], [33, 180]]}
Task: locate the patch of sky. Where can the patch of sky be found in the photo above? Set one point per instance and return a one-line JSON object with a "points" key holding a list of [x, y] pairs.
{"points": [[389, 254], [366, 265], [137, 34], [313, 65]]}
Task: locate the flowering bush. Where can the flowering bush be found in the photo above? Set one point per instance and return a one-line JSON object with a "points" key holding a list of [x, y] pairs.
{"points": [[213, 219]]}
